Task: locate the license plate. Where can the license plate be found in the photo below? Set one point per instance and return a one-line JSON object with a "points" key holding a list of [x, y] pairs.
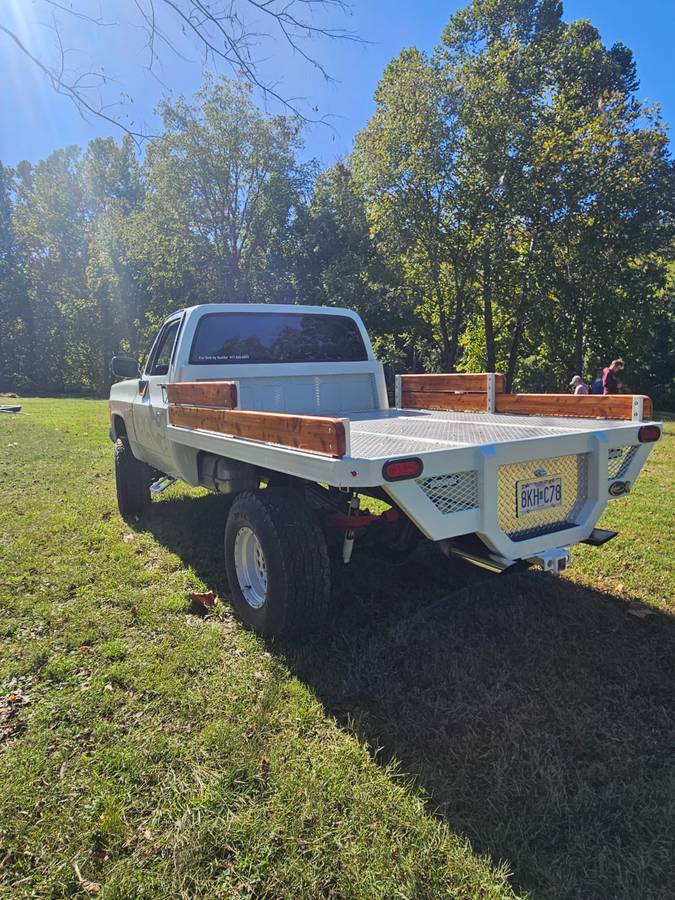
{"points": [[545, 493]]}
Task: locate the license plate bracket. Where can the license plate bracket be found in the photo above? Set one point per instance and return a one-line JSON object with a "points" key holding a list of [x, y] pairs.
{"points": [[537, 494]]}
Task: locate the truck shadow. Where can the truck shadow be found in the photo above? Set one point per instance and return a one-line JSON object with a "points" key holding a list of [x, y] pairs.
{"points": [[534, 715]]}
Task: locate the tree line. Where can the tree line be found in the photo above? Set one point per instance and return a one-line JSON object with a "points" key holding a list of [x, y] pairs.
{"points": [[508, 207]]}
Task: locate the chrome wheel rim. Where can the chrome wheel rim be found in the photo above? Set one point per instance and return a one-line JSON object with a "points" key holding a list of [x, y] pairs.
{"points": [[251, 567]]}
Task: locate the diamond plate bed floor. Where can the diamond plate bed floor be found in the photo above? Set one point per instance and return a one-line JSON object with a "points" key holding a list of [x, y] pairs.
{"points": [[393, 432]]}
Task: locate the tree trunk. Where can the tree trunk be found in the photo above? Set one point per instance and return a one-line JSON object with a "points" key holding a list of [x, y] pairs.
{"points": [[513, 352], [457, 320], [579, 341], [443, 324], [33, 371], [490, 361]]}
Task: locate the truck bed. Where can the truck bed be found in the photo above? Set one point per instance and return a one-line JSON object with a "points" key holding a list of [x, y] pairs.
{"points": [[387, 433], [471, 466]]}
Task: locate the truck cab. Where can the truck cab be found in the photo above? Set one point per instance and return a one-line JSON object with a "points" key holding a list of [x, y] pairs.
{"points": [[285, 359]]}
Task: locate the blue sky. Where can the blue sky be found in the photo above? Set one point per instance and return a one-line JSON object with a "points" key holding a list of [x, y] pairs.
{"points": [[34, 121]]}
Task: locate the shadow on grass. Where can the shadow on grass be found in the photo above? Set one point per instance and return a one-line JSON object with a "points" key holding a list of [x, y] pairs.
{"points": [[537, 716]]}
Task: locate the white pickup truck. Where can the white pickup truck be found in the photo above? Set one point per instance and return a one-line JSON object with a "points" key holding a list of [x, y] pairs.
{"points": [[285, 409]]}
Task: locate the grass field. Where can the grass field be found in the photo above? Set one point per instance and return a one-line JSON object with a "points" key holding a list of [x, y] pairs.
{"points": [[454, 735]]}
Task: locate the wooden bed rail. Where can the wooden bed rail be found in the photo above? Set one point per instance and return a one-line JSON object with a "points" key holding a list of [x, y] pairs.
{"points": [[461, 392], [588, 406], [484, 392], [459, 382], [210, 406], [203, 393]]}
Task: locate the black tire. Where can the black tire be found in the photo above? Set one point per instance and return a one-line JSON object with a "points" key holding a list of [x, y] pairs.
{"points": [[297, 593], [394, 544], [132, 481]]}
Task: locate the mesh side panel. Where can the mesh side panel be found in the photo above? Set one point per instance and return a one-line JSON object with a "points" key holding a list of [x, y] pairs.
{"points": [[452, 493], [574, 473], [619, 461]]}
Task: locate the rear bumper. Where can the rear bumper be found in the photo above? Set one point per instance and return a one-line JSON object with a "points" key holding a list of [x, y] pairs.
{"points": [[472, 490]]}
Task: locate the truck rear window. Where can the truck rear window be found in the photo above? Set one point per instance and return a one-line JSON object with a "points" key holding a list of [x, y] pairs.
{"points": [[255, 337]]}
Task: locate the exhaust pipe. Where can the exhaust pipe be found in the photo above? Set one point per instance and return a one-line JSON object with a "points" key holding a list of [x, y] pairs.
{"points": [[476, 553], [473, 550]]}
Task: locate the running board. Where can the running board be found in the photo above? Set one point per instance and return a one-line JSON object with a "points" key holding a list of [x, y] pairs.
{"points": [[599, 536]]}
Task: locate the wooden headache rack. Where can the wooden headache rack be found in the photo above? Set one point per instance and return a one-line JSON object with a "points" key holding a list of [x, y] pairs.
{"points": [[484, 392], [211, 406]]}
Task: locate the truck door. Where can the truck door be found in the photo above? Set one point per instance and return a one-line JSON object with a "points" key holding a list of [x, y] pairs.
{"points": [[150, 406]]}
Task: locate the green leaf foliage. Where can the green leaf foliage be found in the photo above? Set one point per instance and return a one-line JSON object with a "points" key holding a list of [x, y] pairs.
{"points": [[509, 207]]}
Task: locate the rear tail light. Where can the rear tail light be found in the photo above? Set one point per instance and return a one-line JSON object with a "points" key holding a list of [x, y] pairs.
{"points": [[648, 434], [399, 469]]}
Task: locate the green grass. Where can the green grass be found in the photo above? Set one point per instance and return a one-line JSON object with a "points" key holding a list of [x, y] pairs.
{"points": [[453, 735]]}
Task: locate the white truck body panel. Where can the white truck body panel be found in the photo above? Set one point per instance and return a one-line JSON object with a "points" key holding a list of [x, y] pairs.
{"points": [[472, 461], [312, 388]]}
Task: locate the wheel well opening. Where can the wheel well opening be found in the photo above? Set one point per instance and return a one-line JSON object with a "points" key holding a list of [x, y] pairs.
{"points": [[119, 427]]}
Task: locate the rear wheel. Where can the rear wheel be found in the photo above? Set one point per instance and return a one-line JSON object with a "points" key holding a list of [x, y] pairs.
{"points": [[277, 563], [132, 481]]}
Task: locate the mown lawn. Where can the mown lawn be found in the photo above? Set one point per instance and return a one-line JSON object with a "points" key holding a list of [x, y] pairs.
{"points": [[453, 735]]}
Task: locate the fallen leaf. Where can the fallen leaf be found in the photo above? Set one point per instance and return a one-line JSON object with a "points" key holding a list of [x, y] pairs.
{"points": [[205, 598], [128, 537], [91, 887], [10, 731]]}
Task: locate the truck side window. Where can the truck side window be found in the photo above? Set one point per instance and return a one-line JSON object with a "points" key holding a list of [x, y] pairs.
{"points": [[159, 364]]}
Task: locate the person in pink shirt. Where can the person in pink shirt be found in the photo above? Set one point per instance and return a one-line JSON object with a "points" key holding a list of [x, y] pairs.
{"points": [[580, 386]]}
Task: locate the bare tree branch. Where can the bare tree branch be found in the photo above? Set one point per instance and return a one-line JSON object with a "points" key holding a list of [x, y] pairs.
{"points": [[78, 14], [223, 31], [71, 89]]}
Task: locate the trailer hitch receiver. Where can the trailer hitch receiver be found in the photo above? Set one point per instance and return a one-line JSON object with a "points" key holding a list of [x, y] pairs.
{"points": [[552, 560]]}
